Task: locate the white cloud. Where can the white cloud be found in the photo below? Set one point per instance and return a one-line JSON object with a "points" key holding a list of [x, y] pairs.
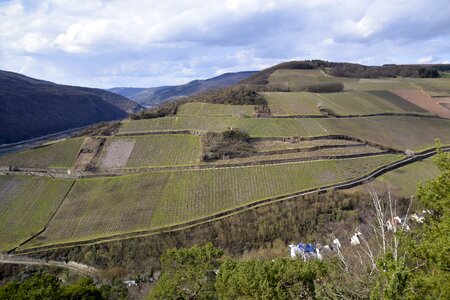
{"points": [[425, 60], [137, 42]]}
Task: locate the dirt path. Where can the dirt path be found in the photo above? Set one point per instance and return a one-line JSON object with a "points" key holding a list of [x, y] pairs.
{"points": [[71, 265], [425, 101]]}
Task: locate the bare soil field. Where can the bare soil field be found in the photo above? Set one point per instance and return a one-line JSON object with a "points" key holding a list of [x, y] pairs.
{"points": [[423, 100], [117, 153], [88, 150]]}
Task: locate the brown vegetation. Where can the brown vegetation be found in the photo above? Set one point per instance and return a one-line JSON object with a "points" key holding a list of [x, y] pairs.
{"points": [[231, 143]]}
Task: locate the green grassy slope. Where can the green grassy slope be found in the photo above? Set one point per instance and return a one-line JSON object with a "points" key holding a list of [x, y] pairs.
{"points": [[26, 205], [58, 155], [404, 181], [105, 206]]}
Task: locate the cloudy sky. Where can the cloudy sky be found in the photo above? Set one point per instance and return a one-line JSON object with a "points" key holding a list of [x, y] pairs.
{"points": [[150, 43]]}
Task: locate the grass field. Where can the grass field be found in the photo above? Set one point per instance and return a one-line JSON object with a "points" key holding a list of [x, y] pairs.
{"points": [[105, 206], [365, 84], [300, 78], [215, 110], [344, 103], [404, 181], [61, 154], [402, 133], [26, 205], [157, 150], [434, 86]]}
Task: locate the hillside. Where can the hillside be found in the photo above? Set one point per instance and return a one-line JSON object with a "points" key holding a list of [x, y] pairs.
{"points": [[155, 95], [31, 108], [215, 154]]}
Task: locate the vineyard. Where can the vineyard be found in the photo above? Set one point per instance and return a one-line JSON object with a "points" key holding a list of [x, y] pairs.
{"points": [[107, 206], [344, 103], [286, 104], [300, 78], [26, 205], [215, 110], [273, 145], [414, 133], [329, 152], [151, 151], [61, 154]]}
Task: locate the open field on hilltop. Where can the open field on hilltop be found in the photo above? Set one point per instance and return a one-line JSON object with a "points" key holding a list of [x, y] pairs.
{"points": [[215, 110], [151, 150], [300, 78], [26, 205], [106, 206], [343, 103], [401, 133], [434, 86], [329, 152], [422, 99], [61, 154], [366, 84]]}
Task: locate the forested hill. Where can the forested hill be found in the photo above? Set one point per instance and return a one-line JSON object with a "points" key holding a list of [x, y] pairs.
{"points": [[31, 108], [156, 95]]}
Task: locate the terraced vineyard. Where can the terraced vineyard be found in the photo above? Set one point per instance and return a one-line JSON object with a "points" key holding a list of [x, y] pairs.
{"points": [[414, 133], [344, 103], [26, 205], [273, 145], [286, 104], [61, 154], [215, 110], [107, 206], [295, 149], [322, 153], [158, 150]]}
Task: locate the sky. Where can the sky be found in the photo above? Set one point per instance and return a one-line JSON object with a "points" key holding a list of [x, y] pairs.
{"points": [[136, 43]]}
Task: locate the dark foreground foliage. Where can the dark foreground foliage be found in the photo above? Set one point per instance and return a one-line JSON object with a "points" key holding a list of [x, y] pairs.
{"points": [[47, 286]]}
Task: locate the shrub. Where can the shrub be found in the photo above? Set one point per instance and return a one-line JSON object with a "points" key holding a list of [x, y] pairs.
{"points": [[231, 143]]}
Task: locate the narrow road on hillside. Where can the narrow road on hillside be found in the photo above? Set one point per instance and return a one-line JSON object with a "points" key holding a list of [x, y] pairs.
{"points": [[71, 265]]}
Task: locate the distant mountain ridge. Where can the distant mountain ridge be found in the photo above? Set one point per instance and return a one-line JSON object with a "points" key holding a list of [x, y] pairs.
{"points": [[30, 107], [155, 95]]}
